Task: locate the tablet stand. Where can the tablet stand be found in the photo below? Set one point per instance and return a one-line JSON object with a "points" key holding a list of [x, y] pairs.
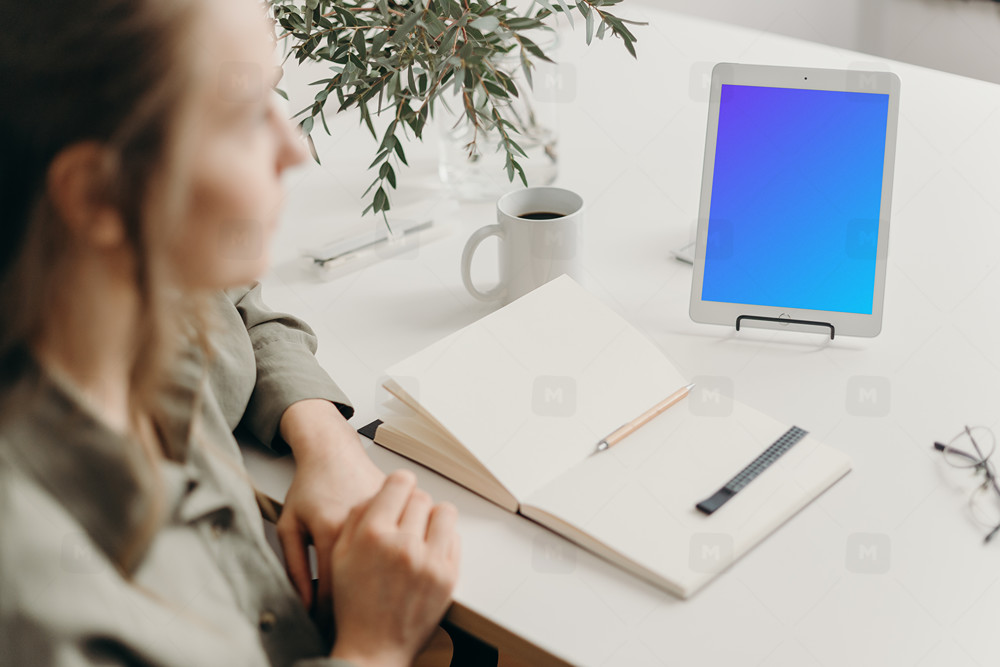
{"points": [[784, 320]]}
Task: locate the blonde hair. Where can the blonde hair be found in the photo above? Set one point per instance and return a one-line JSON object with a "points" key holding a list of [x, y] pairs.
{"points": [[117, 72]]}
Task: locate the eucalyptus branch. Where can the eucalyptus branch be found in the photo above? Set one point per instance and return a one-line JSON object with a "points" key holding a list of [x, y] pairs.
{"points": [[402, 55]]}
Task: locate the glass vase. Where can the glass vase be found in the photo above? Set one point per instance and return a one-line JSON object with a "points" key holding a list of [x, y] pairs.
{"points": [[479, 174]]}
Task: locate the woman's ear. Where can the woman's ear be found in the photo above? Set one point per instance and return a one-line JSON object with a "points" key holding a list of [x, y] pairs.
{"points": [[78, 188]]}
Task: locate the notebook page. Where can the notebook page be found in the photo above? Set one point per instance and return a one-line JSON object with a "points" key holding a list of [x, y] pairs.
{"points": [[639, 497], [531, 388]]}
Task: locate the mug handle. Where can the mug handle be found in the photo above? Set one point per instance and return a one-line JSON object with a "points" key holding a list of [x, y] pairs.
{"points": [[471, 245]]}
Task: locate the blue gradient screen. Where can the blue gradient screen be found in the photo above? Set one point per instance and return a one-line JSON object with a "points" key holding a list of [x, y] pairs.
{"points": [[795, 200]]}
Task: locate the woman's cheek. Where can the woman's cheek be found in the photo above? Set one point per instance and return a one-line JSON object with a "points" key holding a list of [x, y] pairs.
{"points": [[225, 240], [242, 251], [219, 255], [236, 197]]}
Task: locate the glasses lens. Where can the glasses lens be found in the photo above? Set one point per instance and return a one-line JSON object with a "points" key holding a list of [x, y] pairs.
{"points": [[985, 503], [961, 453]]}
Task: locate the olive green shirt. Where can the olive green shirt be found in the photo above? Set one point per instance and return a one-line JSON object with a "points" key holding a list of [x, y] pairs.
{"points": [[95, 571]]}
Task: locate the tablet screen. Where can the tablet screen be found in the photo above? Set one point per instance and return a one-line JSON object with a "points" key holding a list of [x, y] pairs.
{"points": [[795, 201]]}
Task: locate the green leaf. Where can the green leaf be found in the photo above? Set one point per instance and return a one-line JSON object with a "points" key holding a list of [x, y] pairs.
{"points": [[310, 7], [400, 154], [520, 172], [312, 148], [360, 45], [381, 156], [389, 137], [448, 41], [389, 175], [495, 89], [432, 24], [486, 23], [526, 68], [567, 11], [381, 200], [411, 82], [322, 116], [523, 23], [631, 22], [628, 45], [407, 26], [367, 118], [516, 149], [508, 83], [534, 50]]}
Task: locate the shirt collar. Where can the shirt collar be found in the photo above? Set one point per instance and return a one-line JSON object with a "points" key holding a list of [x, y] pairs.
{"points": [[101, 477]]}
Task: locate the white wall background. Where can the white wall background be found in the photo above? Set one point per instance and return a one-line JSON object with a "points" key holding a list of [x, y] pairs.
{"points": [[959, 36]]}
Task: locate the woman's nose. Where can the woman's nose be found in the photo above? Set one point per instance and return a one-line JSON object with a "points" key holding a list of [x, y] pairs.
{"points": [[292, 143]]}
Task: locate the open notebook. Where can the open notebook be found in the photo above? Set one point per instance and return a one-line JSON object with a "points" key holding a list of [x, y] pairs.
{"points": [[513, 405]]}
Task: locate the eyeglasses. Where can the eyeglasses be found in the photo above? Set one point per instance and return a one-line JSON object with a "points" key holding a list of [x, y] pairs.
{"points": [[971, 450]]}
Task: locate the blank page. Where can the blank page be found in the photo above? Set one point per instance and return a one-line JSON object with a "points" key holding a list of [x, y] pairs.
{"points": [[531, 388], [639, 497]]}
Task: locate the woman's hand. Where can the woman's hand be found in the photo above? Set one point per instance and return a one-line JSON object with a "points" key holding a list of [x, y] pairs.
{"points": [[395, 564], [332, 474]]}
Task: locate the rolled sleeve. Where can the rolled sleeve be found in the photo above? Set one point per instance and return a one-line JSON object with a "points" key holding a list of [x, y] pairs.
{"points": [[287, 370]]}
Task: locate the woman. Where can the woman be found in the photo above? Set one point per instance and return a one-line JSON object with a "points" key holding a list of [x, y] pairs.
{"points": [[134, 185]]}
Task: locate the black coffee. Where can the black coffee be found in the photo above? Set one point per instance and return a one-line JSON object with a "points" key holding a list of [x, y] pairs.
{"points": [[540, 215]]}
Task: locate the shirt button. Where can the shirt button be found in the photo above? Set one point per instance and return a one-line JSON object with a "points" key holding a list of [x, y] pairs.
{"points": [[219, 528], [267, 621]]}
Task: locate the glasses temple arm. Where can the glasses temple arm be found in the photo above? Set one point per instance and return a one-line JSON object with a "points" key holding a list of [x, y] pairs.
{"points": [[945, 448]]}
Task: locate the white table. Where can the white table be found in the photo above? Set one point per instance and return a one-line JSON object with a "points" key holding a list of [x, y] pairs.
{"points": [[887, 567]]}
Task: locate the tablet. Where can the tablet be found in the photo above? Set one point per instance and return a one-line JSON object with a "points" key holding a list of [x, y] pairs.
{"points": [[793, 226]]}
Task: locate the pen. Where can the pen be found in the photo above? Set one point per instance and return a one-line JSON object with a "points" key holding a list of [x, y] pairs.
{"points": [[625, 430]]}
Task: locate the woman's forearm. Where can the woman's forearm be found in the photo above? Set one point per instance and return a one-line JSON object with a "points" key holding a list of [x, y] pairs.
{"points": [[315, 428]]}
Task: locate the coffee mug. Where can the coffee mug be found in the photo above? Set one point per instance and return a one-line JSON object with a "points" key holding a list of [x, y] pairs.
{"points": [[540, 232]]}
